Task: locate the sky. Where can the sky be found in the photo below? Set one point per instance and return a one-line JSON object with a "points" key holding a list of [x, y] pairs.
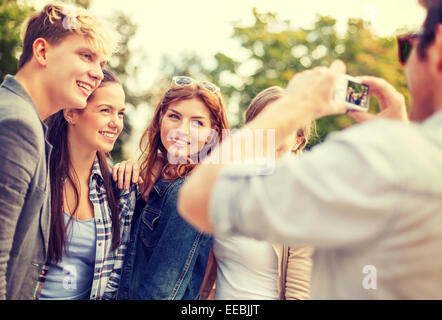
{"points": [[204, 27]]}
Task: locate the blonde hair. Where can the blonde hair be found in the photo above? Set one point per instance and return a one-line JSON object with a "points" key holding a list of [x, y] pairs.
{"points": [[56, 22], [266, 97]]}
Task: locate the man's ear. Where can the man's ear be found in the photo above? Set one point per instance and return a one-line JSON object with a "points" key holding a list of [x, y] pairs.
{"points": [[70, 115], [40, 50]]}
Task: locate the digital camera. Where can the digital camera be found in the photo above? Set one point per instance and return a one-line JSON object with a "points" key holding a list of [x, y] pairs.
{"points": [[351, 92]]}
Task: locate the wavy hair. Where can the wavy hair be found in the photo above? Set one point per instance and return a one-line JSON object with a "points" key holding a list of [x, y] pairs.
{"points": [[153, 151]]}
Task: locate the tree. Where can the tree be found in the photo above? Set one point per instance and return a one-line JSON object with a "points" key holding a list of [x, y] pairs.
{"points": [[189, 64], [121, 64], [12, 16], [276, 52]]}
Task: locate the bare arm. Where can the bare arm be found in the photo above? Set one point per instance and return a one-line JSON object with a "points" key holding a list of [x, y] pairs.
{"points": [[309, 95]]}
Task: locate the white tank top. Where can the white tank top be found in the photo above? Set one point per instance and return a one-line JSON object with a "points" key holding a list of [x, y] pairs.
{"points": [[247, 269]]}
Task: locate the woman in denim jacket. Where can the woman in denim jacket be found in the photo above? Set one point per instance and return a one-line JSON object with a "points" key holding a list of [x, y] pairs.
{"points": [[166, 257]]}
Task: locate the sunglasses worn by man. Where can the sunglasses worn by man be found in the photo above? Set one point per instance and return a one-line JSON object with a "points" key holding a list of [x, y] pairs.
{"points": [[405, 44]]}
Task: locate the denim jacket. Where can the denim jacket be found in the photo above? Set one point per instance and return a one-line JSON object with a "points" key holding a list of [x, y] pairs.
{"points": [[166, 258]]}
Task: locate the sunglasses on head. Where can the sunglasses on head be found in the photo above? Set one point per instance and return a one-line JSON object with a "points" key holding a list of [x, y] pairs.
{"points": [[182, 81], [405, 44]]}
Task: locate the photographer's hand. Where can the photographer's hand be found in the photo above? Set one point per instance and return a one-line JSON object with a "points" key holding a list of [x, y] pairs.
{"points": [[391, 102]]}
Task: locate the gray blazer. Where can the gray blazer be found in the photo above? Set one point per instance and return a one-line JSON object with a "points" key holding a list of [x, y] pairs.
{"points": [[24, 192]]}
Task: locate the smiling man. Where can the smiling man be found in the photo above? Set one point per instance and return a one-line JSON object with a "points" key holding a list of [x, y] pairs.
{"points": [[64, 50]]}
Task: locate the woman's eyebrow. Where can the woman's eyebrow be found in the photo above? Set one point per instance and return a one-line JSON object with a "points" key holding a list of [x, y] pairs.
{"points": [[173, 110], [106, 105], [111, 106], [192, 117]]}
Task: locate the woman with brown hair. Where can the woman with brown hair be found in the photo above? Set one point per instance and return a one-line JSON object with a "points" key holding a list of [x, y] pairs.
{"points": [[90, 218], [253, 270], [167, 258]]}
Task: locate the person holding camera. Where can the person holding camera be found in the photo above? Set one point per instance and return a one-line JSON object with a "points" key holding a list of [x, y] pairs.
{"points": [[368, 199]]}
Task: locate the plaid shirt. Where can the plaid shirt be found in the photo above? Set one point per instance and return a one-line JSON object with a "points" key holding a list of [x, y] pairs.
{"points": [[108, 262]]}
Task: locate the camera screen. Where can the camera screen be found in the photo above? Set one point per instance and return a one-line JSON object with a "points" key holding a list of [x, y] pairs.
{"points": [[357, 94]]}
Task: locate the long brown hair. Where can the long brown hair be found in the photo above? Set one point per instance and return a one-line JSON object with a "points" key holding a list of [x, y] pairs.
{"points": [[60, 173], [266, 97], [153, 151]]}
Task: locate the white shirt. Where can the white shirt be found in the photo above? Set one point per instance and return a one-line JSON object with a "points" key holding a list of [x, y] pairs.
{"points": [[247, 269], [369, 200]]}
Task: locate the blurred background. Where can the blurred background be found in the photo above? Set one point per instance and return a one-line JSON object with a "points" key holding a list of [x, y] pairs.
{"points": [[243, 46]]}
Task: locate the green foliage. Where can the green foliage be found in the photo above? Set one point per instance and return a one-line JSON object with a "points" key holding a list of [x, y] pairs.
{"points": [[275, 52], [121, 64], [278, 52], [189, 64], [12, 16]]}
